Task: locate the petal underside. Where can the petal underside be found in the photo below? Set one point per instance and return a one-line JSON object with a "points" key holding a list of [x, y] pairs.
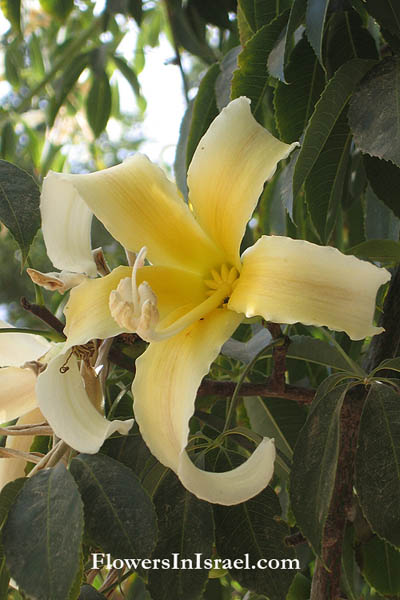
{"points": [[290, 281], [141, 207], [63, 400], [227, 173], [66, 225], [167, 378], [17, 392], [12, 468], [88, 314], [18, 348]]}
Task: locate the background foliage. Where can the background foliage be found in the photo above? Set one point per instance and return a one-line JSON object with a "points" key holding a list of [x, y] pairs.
{"points": [[327, 73]]}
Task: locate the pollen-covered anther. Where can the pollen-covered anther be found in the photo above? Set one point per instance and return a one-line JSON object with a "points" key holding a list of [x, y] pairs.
{"points": [[226, 277], [135, 307]]}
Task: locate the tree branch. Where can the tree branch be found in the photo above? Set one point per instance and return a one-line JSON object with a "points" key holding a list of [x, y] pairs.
{"points": [[209, 387]]}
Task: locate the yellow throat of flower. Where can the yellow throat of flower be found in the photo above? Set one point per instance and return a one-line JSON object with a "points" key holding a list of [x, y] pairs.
{"points": [[222, 281]]}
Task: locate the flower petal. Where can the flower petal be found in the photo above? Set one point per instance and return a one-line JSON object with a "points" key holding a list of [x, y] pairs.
{"points": [[64, 403], [66, 224], [17, 392], [88, 314], [12, 468], [141, 207], [18, 348], [287, 281], [167, 377], [226, 176]]}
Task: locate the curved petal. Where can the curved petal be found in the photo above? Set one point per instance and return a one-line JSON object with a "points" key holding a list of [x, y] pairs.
{"points": [[17, 393], [64, 403], [18, 348], [12, 468], [289, 281], [66, 224], [227, 173], [141, 207], [87, 311], [165, 386], [87, 314]]}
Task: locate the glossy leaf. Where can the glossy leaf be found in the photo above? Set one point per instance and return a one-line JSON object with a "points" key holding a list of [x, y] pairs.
{"points": [[294, 103], [325, 116], [251, 78], [135, 10], [57, 8], [384, 251], [315, 462], [259, 532], [43, 534], [384, 178], [19, 205], [12, 11], [324, 186], [186, 529], [380, 221], [373, 114], [223, 83], [66, 83], [98, 106], [346, 38], [379, 453], [119, 515], [204, 111], [380, 565], [387, 13], [315, 23]]}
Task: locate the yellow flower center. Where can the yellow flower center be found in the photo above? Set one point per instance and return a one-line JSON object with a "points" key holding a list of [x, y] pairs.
{"points": [[225, 279]]}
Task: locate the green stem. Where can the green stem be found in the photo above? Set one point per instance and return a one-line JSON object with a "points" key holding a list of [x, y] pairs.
{"points": [[51, 335]]}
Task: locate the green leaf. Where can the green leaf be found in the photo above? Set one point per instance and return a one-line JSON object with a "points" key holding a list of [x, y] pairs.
{"points": [[385, 251], [98, 106], [390, 363], [130, 450], [43, 534], [325, 183], [64, 85], [19, 205], [315, 22], [119, 515], [255, 528], [223, 83], [135, 10], [265, 11], [387, 13], [57, 8], [186, 35], [128, 73], [8, 141], [373, 114], [380, 565], [248, 9], [346, 38], [251, 78], [377, 467], [7, 498], [294, 103], [12, 11], [380, 221], [36, 57], [276, 418], [300, 588], [90, 593], [204, 111], [296, 18], [384, 178], [326, 114], [185, 528], [315, 462], [180, 169]]}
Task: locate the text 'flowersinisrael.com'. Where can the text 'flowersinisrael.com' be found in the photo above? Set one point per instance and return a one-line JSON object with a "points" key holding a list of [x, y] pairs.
{"points": [[101, 560]]}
